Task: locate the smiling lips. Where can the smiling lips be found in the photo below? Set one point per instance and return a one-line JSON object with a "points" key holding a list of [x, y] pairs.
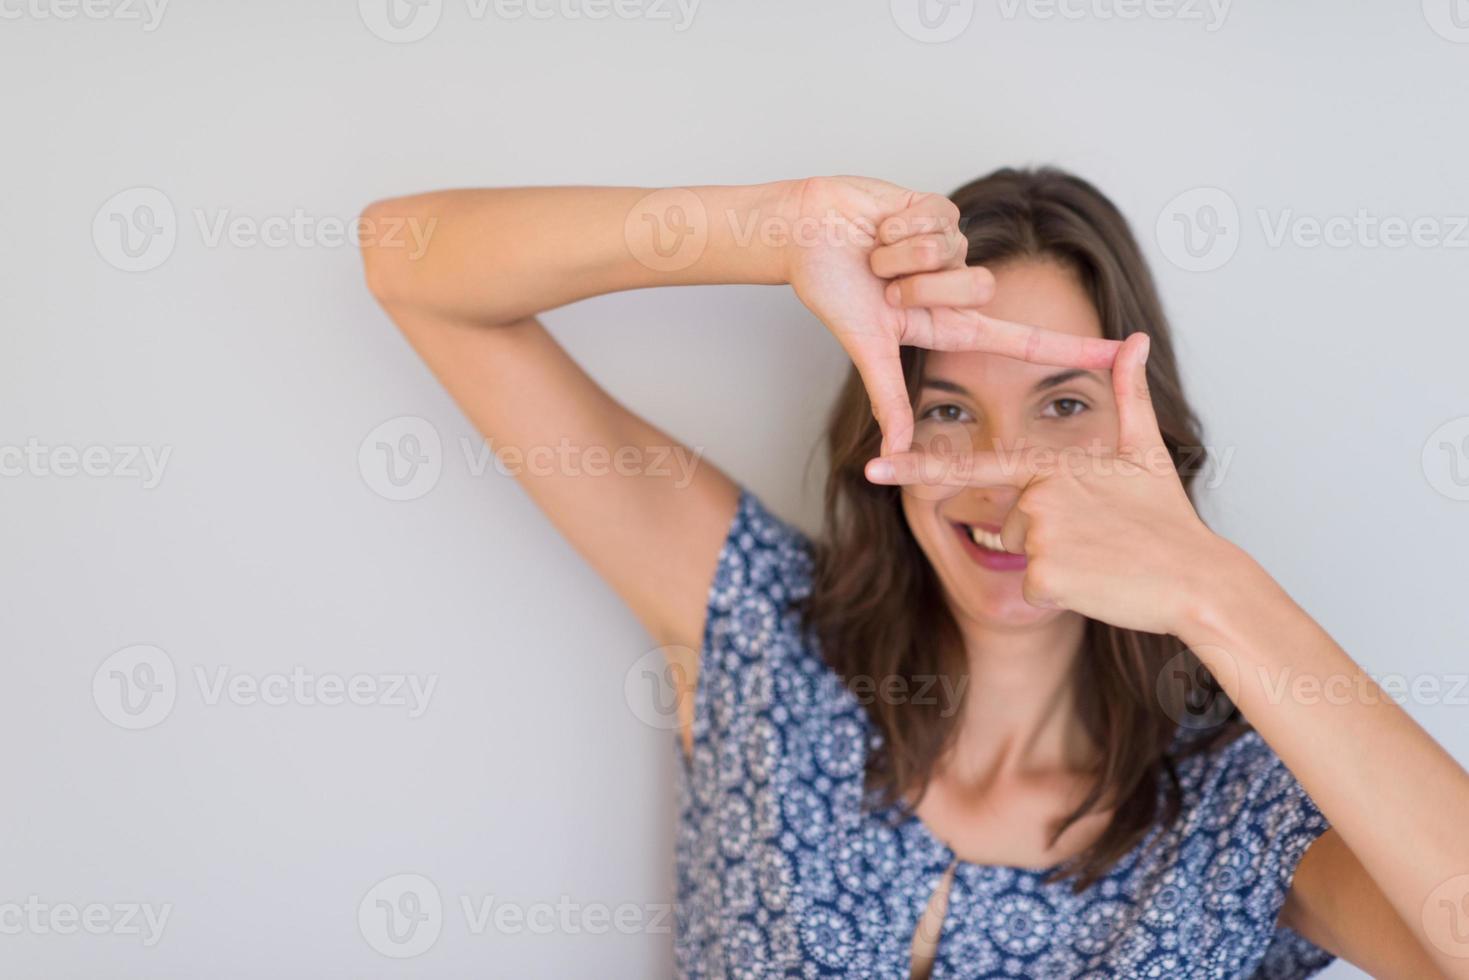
{"points": [[982, 542]]}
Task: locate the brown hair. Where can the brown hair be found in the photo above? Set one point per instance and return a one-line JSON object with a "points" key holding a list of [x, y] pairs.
{"points": [[877, 605]]}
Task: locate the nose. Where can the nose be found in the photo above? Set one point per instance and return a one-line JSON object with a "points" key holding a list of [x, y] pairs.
{"points": [[998, 433], [996, 500]]}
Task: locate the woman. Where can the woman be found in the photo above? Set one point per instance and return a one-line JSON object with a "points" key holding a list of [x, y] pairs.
{"points": [[970, 732]]}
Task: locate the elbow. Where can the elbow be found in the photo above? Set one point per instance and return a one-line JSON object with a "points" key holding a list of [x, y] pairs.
{"points": [[385, 260]]}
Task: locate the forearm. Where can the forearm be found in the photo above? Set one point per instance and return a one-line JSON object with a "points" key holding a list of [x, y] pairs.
{"points": [[496, 256], [1394, 795]]}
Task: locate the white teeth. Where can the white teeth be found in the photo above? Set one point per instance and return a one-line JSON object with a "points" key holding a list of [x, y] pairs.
{"points": [[986, 539]]}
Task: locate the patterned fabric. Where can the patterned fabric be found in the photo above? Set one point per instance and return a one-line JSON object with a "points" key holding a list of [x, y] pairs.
{"points": [[783, 873]]}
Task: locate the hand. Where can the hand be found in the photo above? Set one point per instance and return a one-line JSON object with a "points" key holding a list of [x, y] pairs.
{"points": [[883, 267], [1108, 534]]}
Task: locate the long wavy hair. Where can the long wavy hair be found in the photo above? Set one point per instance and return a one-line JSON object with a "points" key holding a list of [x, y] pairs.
{"points": [[879, 610]]}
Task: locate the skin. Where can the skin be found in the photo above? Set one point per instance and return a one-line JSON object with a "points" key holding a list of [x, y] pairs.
{"points": [[886, 269]]}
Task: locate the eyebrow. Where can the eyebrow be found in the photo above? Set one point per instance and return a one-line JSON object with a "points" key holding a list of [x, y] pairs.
{"points": [[1049, 381]]}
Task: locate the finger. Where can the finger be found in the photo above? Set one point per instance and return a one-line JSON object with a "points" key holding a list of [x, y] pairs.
{"points": [[1013, 531], [965, 329], [882, 376], [1031, 592], [925, 214], [970, 286], [919, 253], [927, 469], [1137, 424]]}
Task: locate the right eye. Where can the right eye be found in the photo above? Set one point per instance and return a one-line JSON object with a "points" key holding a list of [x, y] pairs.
{"points": [[947, 412]]}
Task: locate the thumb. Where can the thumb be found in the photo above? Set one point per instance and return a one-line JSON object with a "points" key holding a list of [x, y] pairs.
{"points": [[887, 390], [1136, 422]]}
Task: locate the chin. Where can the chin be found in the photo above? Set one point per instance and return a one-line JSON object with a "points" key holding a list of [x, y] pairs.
{"points": [[997, 606]]}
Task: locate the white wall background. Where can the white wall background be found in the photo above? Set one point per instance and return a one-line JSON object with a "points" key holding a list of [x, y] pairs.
{"points": [[1328, 370]]}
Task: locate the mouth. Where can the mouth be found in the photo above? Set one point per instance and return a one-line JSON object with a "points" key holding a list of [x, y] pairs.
{"points": [[981, 542]]}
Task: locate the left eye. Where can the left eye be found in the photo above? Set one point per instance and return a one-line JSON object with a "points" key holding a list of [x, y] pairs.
{"points": [[946, 413], [1065, 408]]}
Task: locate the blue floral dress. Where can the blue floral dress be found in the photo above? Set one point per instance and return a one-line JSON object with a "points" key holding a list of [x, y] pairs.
{"points": [[782, 872]]}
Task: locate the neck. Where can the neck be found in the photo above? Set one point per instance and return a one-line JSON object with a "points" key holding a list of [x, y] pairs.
{"points": [[1019, 712]]}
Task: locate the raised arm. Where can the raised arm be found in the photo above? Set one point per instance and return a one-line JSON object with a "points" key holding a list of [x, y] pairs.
{"points": [[652, 523], [879, 265], [1113, 536]]}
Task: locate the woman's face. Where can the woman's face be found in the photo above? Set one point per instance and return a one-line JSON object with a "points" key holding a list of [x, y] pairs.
{"points": [[993, 403]]}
